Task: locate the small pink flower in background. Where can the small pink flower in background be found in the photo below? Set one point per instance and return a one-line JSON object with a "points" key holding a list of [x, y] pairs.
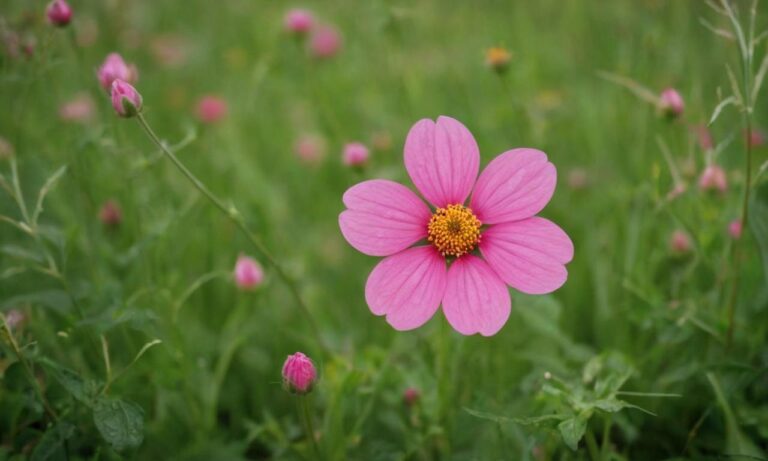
{"points": [[411, 396], [578, 179], [473, 250], [80, 109], [170, 51], [677, 191], [59, 13], [713, 178], [125, 99], [298, 21], [309, 148], [679, 242], [735, 229], [756, 138], [299, 374], [211, 109], [671, 102], [248, 273], [14, 318], [355, 154], [110, 214], [325, 42], [115, 68], [704, 137]]}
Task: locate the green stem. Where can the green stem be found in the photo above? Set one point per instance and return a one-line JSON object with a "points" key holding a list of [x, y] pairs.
{"points": [[594, 453], [28, 370], [306, 415], [233, 215]]}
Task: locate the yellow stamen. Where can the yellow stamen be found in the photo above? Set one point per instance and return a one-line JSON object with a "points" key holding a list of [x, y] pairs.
{"points": [[454, 230]]}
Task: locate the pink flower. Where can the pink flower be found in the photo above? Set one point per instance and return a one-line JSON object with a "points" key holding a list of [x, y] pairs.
{"points": [[59, 13], [115, 68], [211, 109], [125, 99], [671, 102], [79, 109], [298, 21], [713, 178], [248, 273], [464, 266], [325, 42], [110, 214], [411, 396], [355, 154], [704, 136], [309, 148], [679, 242], [299, 374], [756, 138], [735, 229]]}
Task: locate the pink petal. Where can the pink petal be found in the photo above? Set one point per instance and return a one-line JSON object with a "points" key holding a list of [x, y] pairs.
{"points": [[383, 217], [529, 255], [515, 185], [476, 300], [442, 159], [407, 287]]}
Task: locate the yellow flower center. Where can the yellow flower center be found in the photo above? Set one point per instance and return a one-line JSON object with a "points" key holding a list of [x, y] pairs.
{"points": [[454, 230]]}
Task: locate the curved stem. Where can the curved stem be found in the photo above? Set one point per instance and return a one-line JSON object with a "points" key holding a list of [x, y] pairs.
{"points": [[234, 216]]}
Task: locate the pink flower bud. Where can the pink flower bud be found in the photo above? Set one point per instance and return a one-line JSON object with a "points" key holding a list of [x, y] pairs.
{"points": [[713, 178], [309, 148], [110, 214], [114, 68], [756, 138], [298, 21], [679, 243], [671, 103], [211, 109], [411, 396], [248, 273], [299, 374], [735, 228], [125, 99], [59, 13], [325, 42], [355, 154]]}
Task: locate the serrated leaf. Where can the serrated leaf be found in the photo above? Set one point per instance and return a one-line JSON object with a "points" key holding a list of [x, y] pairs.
{"points": [[120, 422], [572, 429], [758, 223], [52, 441]]}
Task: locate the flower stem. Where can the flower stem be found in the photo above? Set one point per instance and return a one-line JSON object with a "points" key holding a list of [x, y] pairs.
{"points": [[234, 216], [306, 416]]}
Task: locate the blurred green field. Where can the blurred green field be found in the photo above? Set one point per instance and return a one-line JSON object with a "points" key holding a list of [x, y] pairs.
{"points": [[632, 317]]}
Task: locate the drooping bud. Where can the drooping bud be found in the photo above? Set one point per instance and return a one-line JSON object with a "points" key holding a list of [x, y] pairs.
{"points": [[299, 21], [671, 103], [59, 13], [248, 273], [355, 154], [299, 374], [114, 68], [125, 99]]}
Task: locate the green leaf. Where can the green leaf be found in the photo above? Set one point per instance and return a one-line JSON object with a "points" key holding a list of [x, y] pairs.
{"points": [[738, 445], [572, 429], [529, 421], [85, 391], [51, 442], [120, 422], [44, 191], [758, 222]]}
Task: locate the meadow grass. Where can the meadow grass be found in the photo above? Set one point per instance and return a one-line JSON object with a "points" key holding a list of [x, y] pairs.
{"points": [[140, 345]]}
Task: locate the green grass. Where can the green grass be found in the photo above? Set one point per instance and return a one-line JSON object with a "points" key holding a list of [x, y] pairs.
{"points": [[631, 318]]}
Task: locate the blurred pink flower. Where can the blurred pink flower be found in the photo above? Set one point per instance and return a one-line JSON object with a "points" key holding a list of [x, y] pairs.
{"points": [[411, 396], [756, 138], [299, 374], [735, 229], [676, 191], [125, 99], [679, 242], [14, 318], [211, 109], [309, 148], [248, 273], [299, 21], [80, 108], [110, 214], [704, 137], [516, 247], [59, 13], [115, 68], [355, 154], [713, 178], [325, 42], [671, 102]]}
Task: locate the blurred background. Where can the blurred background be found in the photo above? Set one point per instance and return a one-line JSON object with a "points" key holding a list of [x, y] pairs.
{"points": [[123, 317]]}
